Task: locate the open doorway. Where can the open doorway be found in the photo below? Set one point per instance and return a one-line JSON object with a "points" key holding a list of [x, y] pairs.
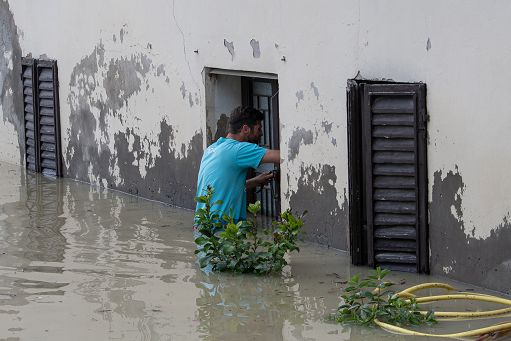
{"points": [[227, 89]]}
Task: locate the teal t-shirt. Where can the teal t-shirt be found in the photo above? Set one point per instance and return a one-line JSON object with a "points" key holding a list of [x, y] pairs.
{"points": [[224, 167]]}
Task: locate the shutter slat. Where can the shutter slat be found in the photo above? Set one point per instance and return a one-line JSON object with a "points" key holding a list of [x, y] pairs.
{"points": [[47, 103], [27, 82], [49, 130], [394, 132], [394, 194], [46, 75], [27, 91], [29, 117], [29, 125], [47, 163], [393, 144], [46, 112], [394, 157], [27, 73], [399, 267], [392, 169], [29, 108], [395, 257], [46, 94], [396, 232], [28, 99], [393, 182], [394, 219], [395, 245], [47, 120], [46, 86], [394, 207], [394, 104], [48, 146], [49, 172], [31, 150], [394, 119], [48, 155], [48, 138]]}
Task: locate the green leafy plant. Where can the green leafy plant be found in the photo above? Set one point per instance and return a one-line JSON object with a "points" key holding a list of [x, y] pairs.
{"points": [[370, 298], [238, 246]]}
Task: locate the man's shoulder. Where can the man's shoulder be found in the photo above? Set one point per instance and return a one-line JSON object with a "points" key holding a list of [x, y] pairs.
{"points": [[223, 144], [230, 143]]}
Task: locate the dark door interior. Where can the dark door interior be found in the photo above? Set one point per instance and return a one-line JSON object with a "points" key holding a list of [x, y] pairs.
{"points": [[262, 94], [388, 175]]}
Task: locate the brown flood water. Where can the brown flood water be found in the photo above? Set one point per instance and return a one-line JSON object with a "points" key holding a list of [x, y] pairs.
{"points": [[78, 262]]}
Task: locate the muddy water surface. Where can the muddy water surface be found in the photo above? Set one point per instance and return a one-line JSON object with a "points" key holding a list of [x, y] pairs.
{"points": [[82, 263]]}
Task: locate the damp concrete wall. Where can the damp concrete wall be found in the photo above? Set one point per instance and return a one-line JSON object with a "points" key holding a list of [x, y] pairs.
{"points": [[133, 101]]}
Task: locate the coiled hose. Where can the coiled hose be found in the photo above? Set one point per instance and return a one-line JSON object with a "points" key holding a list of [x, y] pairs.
{"points": [[454, 315]]}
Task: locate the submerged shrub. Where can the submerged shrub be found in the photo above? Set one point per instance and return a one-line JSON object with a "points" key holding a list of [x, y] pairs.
{"points": [[370, 298], [237, 246]]}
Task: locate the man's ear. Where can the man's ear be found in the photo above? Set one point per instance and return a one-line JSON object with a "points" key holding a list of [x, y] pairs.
{"points": [[245, 129]]}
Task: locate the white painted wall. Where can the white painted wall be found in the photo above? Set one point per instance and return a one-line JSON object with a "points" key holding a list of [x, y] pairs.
{"points": [[467, 69]]}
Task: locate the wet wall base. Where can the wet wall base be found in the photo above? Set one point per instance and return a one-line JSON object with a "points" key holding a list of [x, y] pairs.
{"points": [[326, 221], [455, 252]]}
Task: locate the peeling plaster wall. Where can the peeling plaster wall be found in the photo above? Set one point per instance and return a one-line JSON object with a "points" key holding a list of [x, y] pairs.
{"points": [[133, 100], [131, 106], [12, 133], [456, 250]]}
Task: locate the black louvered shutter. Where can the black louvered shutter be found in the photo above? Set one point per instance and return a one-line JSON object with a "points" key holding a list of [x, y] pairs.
{"points": [[358, 243], [394, 149], [49, 118], [29, 79]]}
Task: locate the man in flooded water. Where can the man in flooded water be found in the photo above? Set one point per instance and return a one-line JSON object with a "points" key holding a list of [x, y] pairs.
{"points": [[225, 163]]}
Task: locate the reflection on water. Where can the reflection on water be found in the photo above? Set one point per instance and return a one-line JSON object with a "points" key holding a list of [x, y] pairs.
{"points": [[86, 263], [233, 305], [43, 240]]}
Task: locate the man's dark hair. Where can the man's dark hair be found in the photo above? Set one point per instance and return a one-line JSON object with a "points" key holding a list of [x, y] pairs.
{"points": [[244, 115]]}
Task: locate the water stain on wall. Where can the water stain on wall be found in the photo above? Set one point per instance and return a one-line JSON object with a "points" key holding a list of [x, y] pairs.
{"points": [[316, 90], [229, 45], [300, 136], [169, 177], [326, 222], [256, 51], [299, 97], [11, 98], [454, 252], [327, 126]]}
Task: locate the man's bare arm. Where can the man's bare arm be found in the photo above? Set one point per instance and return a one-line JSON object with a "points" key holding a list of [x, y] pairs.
{"points": [[271, 156], [261, 179]]}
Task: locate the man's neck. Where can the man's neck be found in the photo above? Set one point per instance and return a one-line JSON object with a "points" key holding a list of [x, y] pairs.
{"points": [[237, 137]]}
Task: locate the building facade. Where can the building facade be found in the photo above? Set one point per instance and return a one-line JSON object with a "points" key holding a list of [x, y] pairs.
{"points": [[145, 86]]}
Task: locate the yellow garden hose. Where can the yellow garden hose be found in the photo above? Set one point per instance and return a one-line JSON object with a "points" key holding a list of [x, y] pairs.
{"points": [[471, 297], [423, 286], [468, 333], [453, 315]]}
